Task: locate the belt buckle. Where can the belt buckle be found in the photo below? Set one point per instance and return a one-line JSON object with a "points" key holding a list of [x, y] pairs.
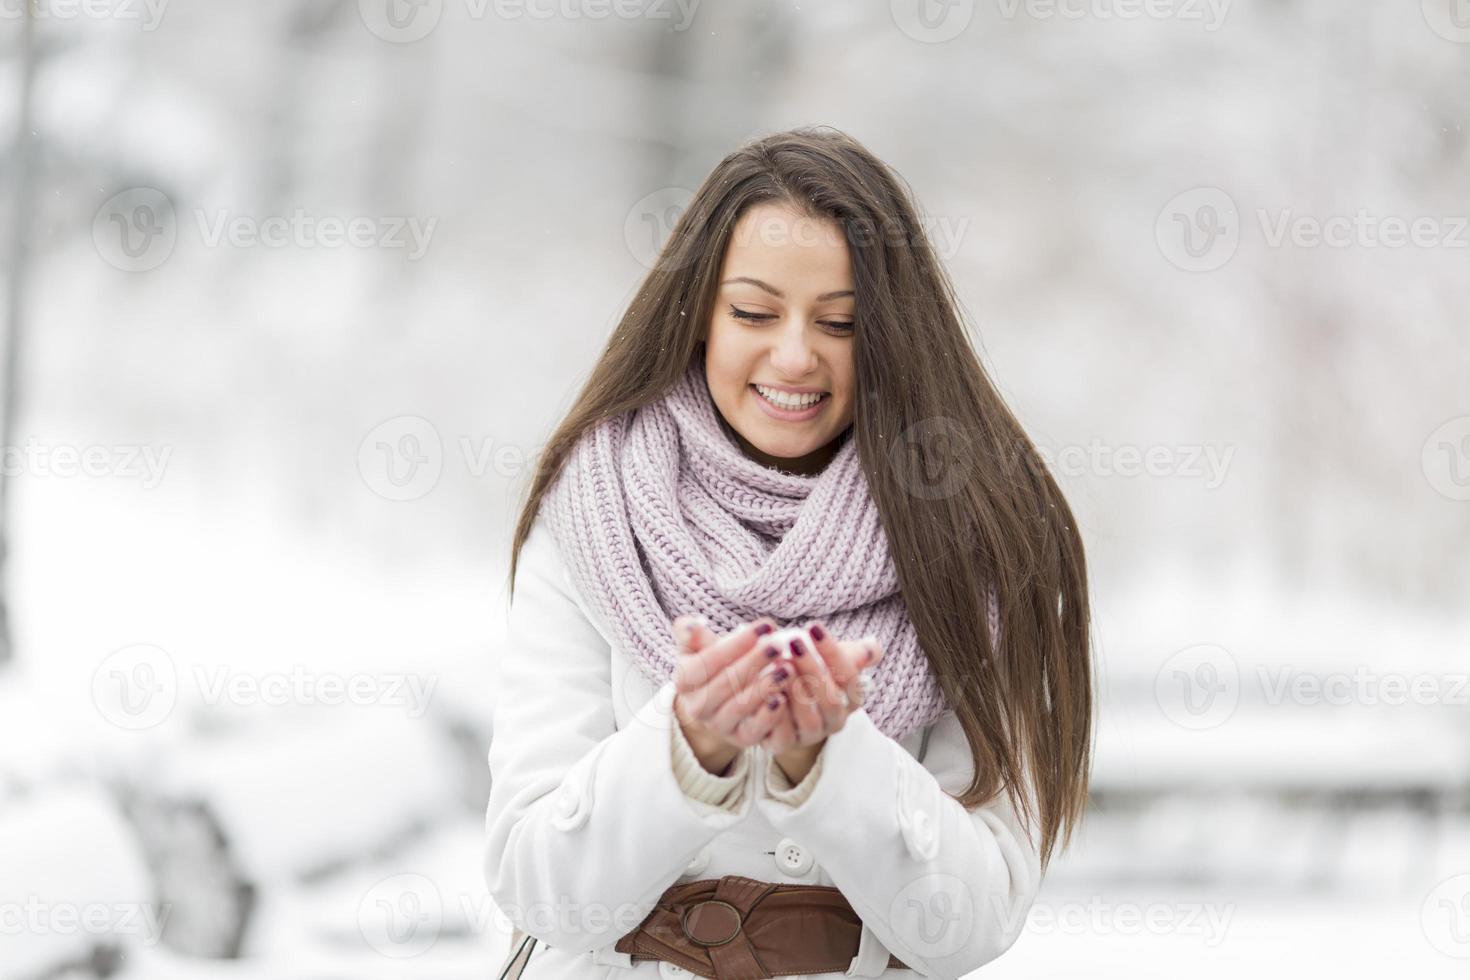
{"points": [[733, 915]]}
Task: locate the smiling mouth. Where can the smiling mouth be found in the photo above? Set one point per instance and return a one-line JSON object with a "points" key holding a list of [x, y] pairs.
{"points": [[787, 402]]}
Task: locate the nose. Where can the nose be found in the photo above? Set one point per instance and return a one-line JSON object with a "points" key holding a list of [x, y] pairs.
{"points": [[793, 357]]}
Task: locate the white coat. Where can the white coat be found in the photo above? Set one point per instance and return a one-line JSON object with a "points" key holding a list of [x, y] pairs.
{"points": [[587, 825]]}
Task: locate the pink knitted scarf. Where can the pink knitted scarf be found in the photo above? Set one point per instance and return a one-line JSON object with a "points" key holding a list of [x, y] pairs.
{"points": [[659, 513]]}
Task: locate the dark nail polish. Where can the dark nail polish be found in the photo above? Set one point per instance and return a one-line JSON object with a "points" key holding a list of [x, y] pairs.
{"points": [[798, 648], [817, 632], [773, 702], [761, 629], [770, 652], [779, 674]]}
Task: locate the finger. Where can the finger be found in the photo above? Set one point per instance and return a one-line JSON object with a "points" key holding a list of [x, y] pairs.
{"points": [[844, 660], [692, 632], [834, 701], [818, 706], [743, 654], [782, 735], [754, 678], [696, 671], [754, 727], [862, 682]]}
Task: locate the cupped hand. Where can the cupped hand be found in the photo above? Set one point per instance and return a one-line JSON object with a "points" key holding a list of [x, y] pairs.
{"points": [[727, 690], [821, 689], [826, 688]]}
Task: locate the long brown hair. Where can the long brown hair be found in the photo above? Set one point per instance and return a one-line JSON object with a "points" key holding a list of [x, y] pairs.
{"points": [[964, 497]]}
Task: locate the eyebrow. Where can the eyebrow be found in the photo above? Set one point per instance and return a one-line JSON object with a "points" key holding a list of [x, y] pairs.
{"points": [[838, 294]]}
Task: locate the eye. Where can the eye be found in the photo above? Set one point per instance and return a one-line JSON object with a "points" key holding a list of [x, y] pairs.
{"points": [[740, 314], [842, 328]]}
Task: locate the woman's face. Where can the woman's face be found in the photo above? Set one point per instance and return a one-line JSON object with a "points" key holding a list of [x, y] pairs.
{"points": [[780, 334]]}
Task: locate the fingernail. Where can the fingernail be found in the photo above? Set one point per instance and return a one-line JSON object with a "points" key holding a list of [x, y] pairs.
{"points": [[770, 652], [797, 647], [817, 632], [867, 655], [773, 702], [779, 674], [761, 629]]}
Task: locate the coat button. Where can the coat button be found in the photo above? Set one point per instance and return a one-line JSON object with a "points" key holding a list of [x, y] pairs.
{"points": [[572, 810], [566, 804], [791, 858], [698, 863], [672, 971], [919, 836], [923, 832]]}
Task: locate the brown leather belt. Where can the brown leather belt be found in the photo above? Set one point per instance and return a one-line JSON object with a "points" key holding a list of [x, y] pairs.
{"points": [[736, 928]]}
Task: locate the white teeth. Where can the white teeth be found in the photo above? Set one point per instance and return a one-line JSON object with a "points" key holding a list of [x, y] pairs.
{"points": [[782, 399]]}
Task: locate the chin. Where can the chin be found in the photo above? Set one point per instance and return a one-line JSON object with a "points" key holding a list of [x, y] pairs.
{"points": [[787, 448]]}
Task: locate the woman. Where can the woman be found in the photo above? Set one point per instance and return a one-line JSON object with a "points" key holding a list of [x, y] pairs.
{"points": [[798, 676]]}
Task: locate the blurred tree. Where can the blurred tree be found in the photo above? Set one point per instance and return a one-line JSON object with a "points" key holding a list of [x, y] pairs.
{"points": [[21, 160]]}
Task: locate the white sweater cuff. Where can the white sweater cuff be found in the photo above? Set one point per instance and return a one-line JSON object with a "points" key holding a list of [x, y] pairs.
{"points": [[698, 783], [779, 788]]}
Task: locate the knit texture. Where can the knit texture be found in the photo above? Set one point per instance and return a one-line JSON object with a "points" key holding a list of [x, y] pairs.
{"points": [[698, 783], [658, 513], [778, 786]]}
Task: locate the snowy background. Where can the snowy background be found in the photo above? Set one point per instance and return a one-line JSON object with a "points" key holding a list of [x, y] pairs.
{"points": [[294, 291]]}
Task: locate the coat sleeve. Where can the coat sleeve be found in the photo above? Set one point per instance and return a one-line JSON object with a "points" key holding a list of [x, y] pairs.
{"points": [[587, 824], [945, 889]]}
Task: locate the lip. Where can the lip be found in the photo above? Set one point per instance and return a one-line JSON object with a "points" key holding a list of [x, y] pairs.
{"points": [[794, 391], [786, 415]]}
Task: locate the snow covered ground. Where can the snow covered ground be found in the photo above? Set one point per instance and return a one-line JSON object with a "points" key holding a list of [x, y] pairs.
{"points": [[358, 823]]}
